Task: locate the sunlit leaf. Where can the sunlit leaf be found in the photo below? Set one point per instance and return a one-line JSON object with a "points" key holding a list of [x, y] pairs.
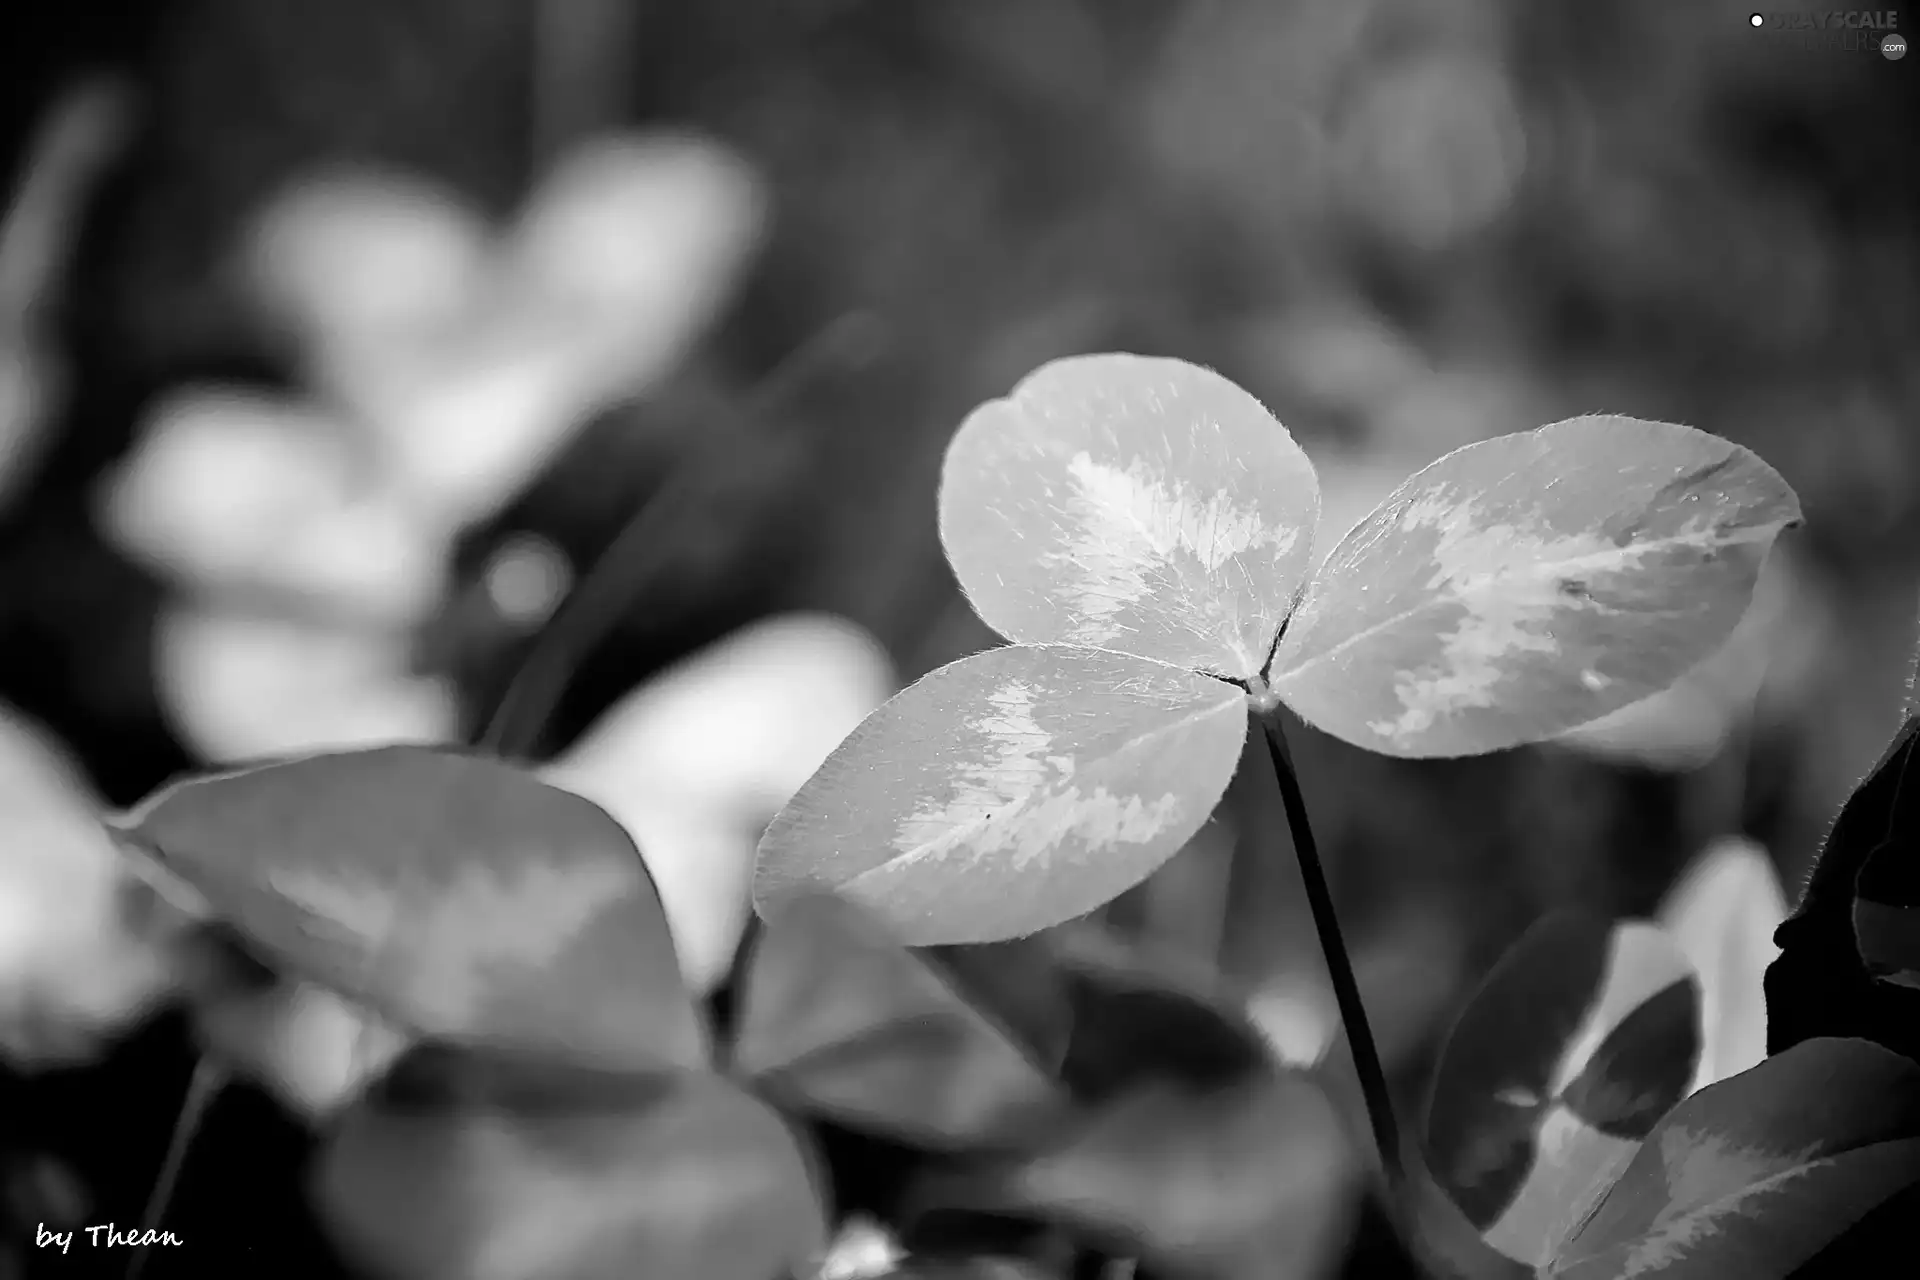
{"points": [[1821, 984], [1525, 585], [1575, 1045], [515, 1172], [1009, 791], [1251, 1180], [1751, 1177], [458, 896], [1133, 503], [841, 1020], [1722, 914]]}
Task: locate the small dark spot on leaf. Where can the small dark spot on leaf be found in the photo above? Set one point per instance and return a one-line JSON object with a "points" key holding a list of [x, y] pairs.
{"points": [[1575, 589]]}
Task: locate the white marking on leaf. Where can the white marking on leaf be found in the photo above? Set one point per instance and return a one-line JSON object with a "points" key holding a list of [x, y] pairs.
{"points": [[1512, 580], [1130, 524], [1699, 1168], [1003, 803]]}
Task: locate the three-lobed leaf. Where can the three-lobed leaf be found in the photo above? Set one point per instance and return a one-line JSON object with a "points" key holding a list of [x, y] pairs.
{"points": [[485, 1172], [1525, 585], [1008, 792], [1573, 1047], [1134, 503], [840, 1020], [458, 896], [1753, 1176]]}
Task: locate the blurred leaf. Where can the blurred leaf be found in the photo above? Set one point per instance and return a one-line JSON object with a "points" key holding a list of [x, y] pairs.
{"points": [[840, 1019], [311, 1049], [1139, 1019], [232, 491], [1821, 986], [1525, 585], [970, 1269], [1444, 1242], [483, 1172], [1575, 1045], [1008, 792], [1751, 1177], [74, 965], [1722, 914], [693, 762], [456, 895], [1439, 1235], [240, 686], [1767, 659], [1250, 1180], [1019, 983], [343, 255], [1132, 503]]}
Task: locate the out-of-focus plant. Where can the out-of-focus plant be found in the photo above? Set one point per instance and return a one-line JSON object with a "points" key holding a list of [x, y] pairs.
{"points": [[74, 965], [444, 364]]}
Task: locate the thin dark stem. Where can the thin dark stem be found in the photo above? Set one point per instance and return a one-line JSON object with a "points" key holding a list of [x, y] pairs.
{"points": [[205, 1084], [1346, 989]]}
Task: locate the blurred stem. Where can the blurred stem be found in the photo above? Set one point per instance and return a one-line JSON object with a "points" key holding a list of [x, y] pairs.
{"points": [[205, 1084], [601, 598], [1346, 988]]}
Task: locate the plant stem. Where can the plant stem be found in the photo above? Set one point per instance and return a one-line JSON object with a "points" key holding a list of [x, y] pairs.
{"points": [[206, 1081], [1346, 988]]}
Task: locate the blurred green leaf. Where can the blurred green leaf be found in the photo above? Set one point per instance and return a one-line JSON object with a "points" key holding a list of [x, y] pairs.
{"points": [[1018, 982], [1254, 1179], [1134, 503], [456, 895], [466, 1168], [1142, 1019], [841, 1020]]}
